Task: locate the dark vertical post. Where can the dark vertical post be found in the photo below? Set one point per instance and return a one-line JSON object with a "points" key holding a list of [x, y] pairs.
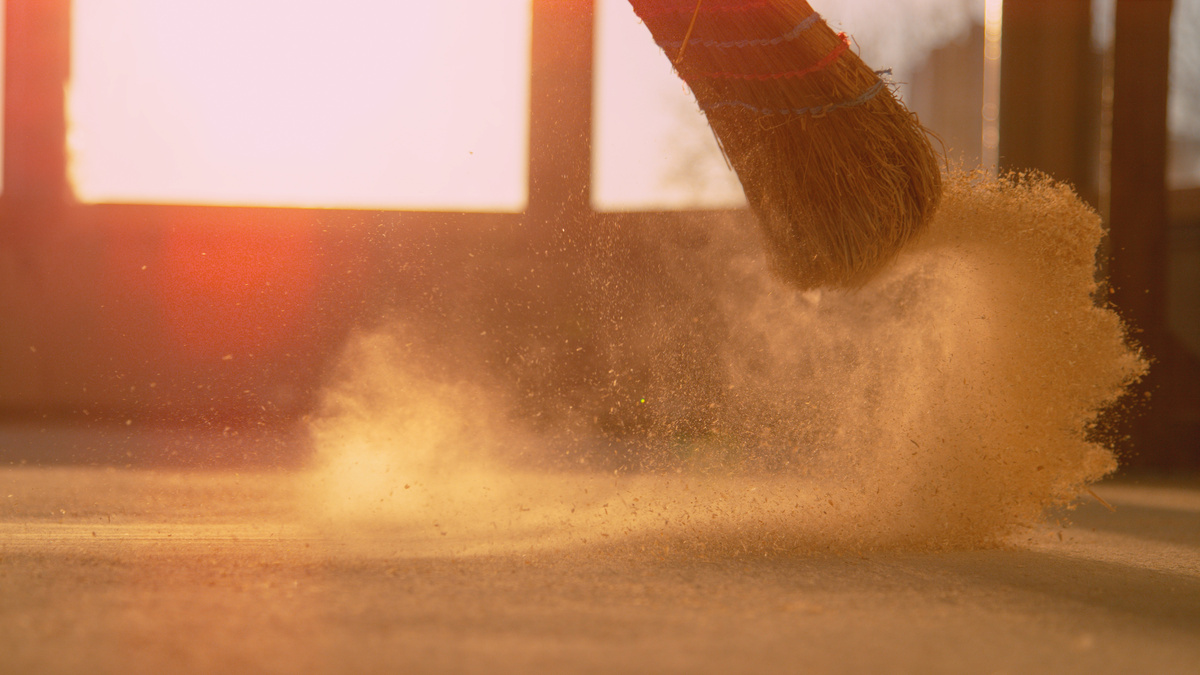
{"points": [[560, 108], [1050, 92], [1166, 435], [1138, 193], [37, 67]]}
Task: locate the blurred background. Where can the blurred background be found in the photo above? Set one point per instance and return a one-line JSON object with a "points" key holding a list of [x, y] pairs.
{"points": [[201, 200]]}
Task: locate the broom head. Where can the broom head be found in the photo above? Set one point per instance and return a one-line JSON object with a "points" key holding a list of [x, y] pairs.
{"points": [[839, 174]]}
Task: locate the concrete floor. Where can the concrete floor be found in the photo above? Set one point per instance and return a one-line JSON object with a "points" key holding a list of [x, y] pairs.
{"points": [[143, 571]]}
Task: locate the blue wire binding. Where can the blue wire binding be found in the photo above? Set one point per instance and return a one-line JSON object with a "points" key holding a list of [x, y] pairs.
{"points": [[816, 111], [808, 22]]}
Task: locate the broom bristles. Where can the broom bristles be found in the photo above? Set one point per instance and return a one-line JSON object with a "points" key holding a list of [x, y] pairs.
{"points": [[839, 174]]}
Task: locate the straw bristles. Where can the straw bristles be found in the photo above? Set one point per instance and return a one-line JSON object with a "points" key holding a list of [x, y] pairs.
{"points": [[838, 172]]}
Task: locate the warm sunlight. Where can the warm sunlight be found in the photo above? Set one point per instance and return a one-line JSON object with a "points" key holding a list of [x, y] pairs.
{"points": [[395, 105], [652, 146], [417, 105], [3, 11]]}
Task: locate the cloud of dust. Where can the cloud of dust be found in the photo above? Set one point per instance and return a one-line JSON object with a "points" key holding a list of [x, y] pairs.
{"points": [[947, 404]]}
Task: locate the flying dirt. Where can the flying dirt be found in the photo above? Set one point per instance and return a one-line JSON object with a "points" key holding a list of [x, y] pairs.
{"points": [[949, 403]]}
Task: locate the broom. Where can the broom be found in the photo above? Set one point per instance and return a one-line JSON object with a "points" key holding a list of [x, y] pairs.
{"points": [[838, 173]]}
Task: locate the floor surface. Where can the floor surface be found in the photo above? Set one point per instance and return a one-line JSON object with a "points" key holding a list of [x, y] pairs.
{"points": [[153, 571]]}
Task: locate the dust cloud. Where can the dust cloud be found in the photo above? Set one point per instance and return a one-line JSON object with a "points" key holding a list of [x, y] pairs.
{"points": [[949, 403]]}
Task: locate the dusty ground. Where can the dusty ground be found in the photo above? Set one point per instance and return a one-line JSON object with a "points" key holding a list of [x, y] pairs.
{"points": [[133, 571]]}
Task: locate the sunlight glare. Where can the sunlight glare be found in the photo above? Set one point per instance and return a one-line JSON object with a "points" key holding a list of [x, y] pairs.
{"points": [[3, 50], [652, 145], [992, 22]]}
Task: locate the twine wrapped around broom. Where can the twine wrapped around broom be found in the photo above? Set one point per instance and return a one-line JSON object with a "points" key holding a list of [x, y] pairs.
{"points": [[839, 174]]}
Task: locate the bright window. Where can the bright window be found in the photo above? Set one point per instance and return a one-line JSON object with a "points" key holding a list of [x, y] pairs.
{"points": [[652, 146], [361, 104], [1183, 170], [3, 12]]}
